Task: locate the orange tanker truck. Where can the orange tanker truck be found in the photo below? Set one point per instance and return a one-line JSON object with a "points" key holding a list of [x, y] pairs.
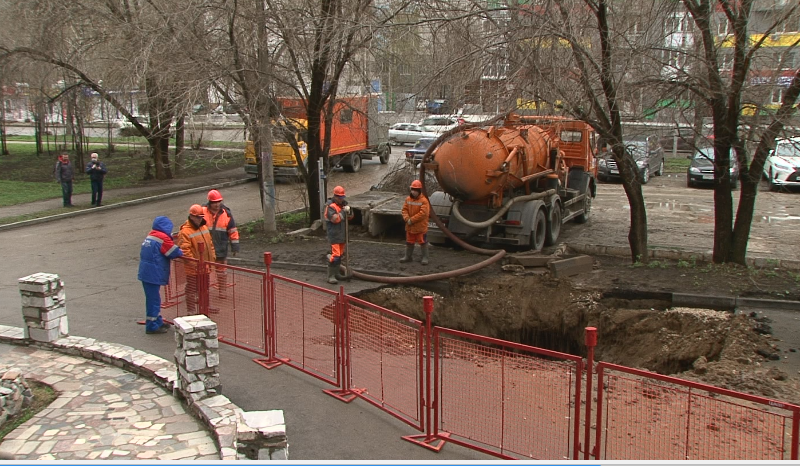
{"points": [[513, 183]]}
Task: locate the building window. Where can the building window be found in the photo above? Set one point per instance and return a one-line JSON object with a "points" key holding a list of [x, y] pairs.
{"points": [[404, 69], [776, 96], [722, 27]]}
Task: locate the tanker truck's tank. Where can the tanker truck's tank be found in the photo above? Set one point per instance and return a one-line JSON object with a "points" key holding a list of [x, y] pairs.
{"points": [[470, 163]]}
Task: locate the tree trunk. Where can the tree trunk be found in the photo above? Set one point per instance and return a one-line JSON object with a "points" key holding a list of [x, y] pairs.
{"points": [[38, 117], [3, 142], [263, 144], [180, 135]]}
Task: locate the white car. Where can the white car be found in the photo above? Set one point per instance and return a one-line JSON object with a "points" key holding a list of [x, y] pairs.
{"points": [[782, 167], [440, 124], [408, 133]]}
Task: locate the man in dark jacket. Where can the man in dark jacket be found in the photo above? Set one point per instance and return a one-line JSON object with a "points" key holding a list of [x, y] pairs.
{"points": [[96, 171], [156, 252], [336, 211], [64, 175]]}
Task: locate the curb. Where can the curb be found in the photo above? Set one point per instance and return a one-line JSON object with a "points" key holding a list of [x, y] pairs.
{"points": [[218, 414], [36, 221], [316, 267]]}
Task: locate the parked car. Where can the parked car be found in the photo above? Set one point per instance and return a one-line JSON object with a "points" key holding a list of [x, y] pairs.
{"points": [[415, 154], [701, 169], [782, 167], [407, 133], [439, 124], [684, 143], [648, 154]]}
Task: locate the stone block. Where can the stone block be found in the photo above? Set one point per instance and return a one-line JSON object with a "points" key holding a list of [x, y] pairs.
{"points": [[195, 387], [195, 363], [44, 335], [212, 358], [211, 343]]}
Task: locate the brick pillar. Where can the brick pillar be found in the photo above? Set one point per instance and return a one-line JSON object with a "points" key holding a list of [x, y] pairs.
{"points": [[197, 357], [44, 307]]}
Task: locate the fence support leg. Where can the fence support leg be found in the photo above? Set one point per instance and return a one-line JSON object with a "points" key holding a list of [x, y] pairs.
{"points": [[341, 315], [430, 439], [591, 342], [270, 345]]}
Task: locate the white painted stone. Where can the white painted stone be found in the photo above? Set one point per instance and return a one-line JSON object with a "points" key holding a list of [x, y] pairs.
{"points": [[212, 358], [263, 419], [195, 363]]}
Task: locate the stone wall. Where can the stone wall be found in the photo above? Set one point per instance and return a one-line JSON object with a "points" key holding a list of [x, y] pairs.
{"points": [[15, 395]]}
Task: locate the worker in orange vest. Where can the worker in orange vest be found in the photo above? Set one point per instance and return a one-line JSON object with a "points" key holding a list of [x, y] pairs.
{"points": [[336, 210], [192, 234], [220, 223], [416, 210]]}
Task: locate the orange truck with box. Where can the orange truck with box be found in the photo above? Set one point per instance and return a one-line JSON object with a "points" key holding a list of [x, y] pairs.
{"points": [[356, 135]]}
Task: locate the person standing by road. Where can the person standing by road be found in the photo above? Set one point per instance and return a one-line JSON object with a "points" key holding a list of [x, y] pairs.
{"points": [[416, 210], [219, 220], [192, 234], [96, 171], [65, 174], [154, 257], [336, 210]]}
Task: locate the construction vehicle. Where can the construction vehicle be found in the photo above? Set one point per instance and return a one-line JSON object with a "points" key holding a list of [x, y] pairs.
{"points": [[512, 183], [356, 135]]}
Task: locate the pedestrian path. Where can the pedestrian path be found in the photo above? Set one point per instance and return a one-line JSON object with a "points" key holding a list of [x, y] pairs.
{"points": [[102, 413]]}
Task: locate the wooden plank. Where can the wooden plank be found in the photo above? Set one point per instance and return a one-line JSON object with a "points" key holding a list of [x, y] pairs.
{"points": [[572, 266], [529, 260]]}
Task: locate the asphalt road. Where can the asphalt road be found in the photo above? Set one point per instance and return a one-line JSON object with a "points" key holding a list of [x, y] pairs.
{"points": [[97, 256]]}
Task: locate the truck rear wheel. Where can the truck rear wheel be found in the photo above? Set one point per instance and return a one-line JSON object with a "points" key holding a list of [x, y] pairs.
{"points": [[384, 153], [553, 225], [587, 204], [353, 164], [538, 230]]}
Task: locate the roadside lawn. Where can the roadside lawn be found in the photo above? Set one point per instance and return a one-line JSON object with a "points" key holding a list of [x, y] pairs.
{"points": [[26, 177]]}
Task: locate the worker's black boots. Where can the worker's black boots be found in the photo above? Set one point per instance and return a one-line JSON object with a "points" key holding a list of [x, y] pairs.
{"points": [[332, 269], [409, 252]]}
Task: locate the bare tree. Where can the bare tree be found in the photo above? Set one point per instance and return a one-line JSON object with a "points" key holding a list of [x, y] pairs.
{"points": [[728, 63]]}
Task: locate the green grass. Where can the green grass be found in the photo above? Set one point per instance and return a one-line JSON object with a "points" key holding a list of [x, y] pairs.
{"points": [[676, 165], [27, 177], [118, 140], [43, 395]]}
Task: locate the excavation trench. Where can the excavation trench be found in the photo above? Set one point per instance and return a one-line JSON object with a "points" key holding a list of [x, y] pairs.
{"points": [[545, 313]]}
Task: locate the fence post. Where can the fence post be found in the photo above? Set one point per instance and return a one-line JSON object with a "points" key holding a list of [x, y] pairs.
{"points": [[203, 280], [270, 321], [795, 434], [341, 332], [430, 436], [591, 342]]}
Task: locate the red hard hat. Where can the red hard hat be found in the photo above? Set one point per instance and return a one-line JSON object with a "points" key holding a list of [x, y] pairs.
{"points": [[338, 191], [416, 184], [214, 195], [196, 210]]}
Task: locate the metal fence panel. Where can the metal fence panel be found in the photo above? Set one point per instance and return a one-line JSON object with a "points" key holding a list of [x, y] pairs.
{"points": [[385, 359], [237, 303], [506, 399], [305, 327], [645, 416]]}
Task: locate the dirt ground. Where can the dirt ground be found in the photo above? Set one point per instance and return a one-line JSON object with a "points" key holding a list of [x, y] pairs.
{"points": [[635, 327]]}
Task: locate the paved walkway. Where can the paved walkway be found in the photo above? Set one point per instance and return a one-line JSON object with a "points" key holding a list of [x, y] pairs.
{"points": [[102, 412]]}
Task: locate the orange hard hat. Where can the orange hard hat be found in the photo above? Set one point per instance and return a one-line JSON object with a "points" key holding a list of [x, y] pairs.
{"points": [[338, 191], [416, 184], [214, 195], [196, 210]]}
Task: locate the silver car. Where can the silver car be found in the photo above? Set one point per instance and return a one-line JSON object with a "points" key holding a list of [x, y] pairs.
{"points": [[407, 133]]}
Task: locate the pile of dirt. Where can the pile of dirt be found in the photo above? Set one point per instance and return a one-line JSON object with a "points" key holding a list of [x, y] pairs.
{"points": [[713, 347], [530, 307]]}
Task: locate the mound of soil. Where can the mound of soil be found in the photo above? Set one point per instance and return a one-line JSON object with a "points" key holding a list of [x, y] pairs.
{"points": [[734, 351]]}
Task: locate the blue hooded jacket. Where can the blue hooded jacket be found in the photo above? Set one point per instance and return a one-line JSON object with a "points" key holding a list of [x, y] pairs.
{"points": [[157, 250]]}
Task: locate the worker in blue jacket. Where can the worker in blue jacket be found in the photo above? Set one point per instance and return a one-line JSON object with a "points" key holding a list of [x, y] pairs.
{"points": [[157, 250]]}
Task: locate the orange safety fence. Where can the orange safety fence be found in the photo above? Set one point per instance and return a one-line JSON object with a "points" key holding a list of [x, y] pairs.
{"points": [[506, 399], [233, 297], [306, 327], [647, 416], [501, 398], [385, 359]]}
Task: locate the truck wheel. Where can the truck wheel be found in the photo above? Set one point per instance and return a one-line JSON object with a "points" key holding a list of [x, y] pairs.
{"points": [[587, 205], [385, 152], [553, 225], [539, 230], [354, 164]]}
